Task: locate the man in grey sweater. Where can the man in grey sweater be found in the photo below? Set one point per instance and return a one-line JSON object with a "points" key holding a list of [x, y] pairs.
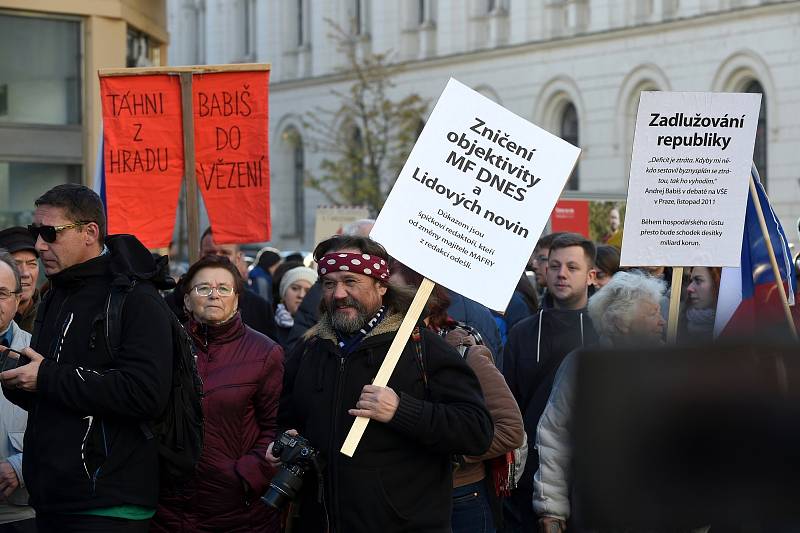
{"points": [[15, 514]]}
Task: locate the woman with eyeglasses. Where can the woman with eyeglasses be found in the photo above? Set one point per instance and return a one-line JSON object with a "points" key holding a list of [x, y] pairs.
{"points": [[242, 373]]}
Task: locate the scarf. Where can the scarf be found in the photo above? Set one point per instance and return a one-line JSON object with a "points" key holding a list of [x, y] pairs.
{"points": [[700, 320], [347, 344], [283, 317]]}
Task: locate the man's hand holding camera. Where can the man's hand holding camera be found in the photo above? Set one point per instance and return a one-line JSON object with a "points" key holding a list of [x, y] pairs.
{"points": [[377, 403], [26, 376], [276, 461]]}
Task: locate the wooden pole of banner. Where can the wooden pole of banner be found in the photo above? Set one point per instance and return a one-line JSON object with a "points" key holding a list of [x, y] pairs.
{"points": [[192, 205], [194, 69], [674, 304], [392, 357], [772, 259]]}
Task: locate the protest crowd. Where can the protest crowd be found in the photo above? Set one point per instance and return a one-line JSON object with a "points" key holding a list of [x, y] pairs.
{"points": [[150, 396]]}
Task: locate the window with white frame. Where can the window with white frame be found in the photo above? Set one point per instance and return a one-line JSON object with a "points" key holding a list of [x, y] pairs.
{"points": [[249, 23], [760, 150], [569, 131], [358, 16]]}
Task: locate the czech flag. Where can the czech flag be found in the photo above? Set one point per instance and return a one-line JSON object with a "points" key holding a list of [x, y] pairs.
{"points": [[748, 296]]}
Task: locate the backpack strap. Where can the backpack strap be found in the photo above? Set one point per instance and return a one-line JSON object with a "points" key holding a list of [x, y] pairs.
{"points": [[41, 311], [113, 316]]}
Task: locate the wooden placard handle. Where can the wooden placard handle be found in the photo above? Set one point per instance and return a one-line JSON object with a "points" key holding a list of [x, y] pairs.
{"points": [[392, 357]]}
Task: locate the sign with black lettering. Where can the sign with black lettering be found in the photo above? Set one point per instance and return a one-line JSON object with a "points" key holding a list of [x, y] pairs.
{"points": [[688, 186], [142, 155], [474, 196], [232, 153]]}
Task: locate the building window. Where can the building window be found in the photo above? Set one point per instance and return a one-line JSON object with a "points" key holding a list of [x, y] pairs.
{"points": [[249, 34], [569, 132], [141, 51], [422, 6], [300, 22], [41, 79], [358, 15], [760, 150], [299, 178], [494, 7], [356, 158], [22, 183]]}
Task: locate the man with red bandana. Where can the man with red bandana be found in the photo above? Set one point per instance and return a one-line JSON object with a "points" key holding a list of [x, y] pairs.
{"points": [[400, 478]]}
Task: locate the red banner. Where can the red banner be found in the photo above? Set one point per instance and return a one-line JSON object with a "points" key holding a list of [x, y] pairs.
{"points": [[232, 153], [142, 155], [572, 216]]}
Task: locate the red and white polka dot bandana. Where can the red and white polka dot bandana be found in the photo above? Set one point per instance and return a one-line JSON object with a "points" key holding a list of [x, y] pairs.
{"points": [[369, 265]]}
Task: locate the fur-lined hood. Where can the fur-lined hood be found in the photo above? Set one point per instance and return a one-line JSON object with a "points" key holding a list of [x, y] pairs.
{"points": [[324, 329]]}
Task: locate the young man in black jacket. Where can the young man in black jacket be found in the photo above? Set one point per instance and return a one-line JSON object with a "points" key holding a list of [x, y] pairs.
{"points": [[88, 463], [537, 345], [400, 478]]}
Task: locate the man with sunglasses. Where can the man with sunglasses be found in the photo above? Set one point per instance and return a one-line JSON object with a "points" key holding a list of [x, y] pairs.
{"points": [[89, 465]]}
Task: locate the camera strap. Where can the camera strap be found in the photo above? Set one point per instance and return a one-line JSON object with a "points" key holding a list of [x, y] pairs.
{"points": [[419, 352]]}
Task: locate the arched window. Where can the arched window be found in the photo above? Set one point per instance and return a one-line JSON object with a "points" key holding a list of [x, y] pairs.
{"points": [[569, 132], [760, 150], [299, 178], [358, 12], [300, 21], [356, 150], [288, 189]]}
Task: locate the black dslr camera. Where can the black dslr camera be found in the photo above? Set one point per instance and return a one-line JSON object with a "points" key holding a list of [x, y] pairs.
{"points": [[297, 458]]}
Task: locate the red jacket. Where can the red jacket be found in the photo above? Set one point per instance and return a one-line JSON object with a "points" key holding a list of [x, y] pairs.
{"points": [[242, 372]]}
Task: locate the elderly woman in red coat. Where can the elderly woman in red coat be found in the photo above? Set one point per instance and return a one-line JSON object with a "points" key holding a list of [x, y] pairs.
{"points": [[242, 372]]}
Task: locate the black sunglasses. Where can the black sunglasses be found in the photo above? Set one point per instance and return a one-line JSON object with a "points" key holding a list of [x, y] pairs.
{"points": [[50, 233]]}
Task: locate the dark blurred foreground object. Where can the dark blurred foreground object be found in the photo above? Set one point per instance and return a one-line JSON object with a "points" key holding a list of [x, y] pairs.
{"points": [[680, 438]]}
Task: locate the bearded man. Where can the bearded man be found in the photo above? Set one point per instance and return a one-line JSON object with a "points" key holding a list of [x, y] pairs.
{"points": [[400, 478]]}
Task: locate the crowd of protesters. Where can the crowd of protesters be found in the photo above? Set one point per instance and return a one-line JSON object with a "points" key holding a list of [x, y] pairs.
{"points": [[472, 434]]}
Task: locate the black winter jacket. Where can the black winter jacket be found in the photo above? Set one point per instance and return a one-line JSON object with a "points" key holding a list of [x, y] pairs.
{"points": [[84, 445], [400, 478], [532, 358]]}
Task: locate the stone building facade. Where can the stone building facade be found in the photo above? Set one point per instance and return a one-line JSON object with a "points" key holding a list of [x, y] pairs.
{"points": [[574, 67]]}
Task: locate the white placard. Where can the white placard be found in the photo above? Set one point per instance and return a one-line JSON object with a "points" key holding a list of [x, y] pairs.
{"points": [[688, 185], [474, 196]]}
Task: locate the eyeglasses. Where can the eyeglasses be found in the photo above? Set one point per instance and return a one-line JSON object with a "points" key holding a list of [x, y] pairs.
{"points": [[205, 290], [50, 233], [5, 295]]}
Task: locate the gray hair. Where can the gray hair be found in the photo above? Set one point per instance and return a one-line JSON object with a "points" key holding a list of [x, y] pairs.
{"points": [[617, 302], [8, 259]]}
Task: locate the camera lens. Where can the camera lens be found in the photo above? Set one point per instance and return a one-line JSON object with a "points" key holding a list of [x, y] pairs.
{"points": [[275, 497], [284, 486]]}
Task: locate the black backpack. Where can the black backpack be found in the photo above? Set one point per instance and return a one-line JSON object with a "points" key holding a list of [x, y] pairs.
{"points": [[179, 429]]}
